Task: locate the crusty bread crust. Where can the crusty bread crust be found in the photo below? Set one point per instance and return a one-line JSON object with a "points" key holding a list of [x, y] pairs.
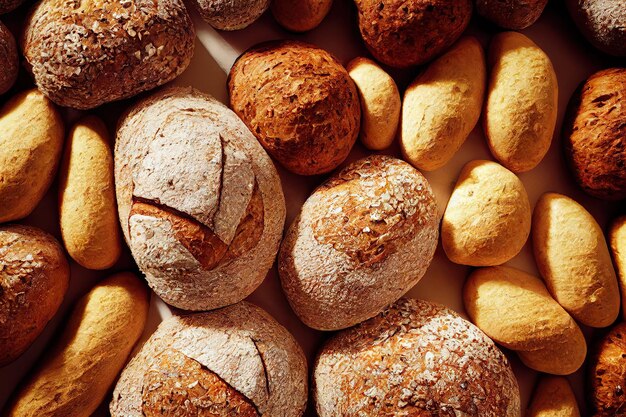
{"points": [[87, 53], [231, 14], [238, 351], [8, 57], [511, 14], [200, 173], [416, 358]]}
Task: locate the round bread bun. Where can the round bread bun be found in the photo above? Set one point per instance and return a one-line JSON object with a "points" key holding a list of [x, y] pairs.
{"points": [[602, 22], [34, 276], [237, 361], [9, 58], [607, 372], [511, 14], [403, 33], [361, 241], [200, 202], [86, 53], [595, 135], [300, 103], [231, 14], [416, 358]]}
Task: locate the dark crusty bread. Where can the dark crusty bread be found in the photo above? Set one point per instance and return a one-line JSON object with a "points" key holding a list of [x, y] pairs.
{"points": [[200, 202], [606, 374], [236, 361], [361, 241], [511, 14], [602, 22], [9, 59], [8, 5], [299, 102], [34, 276], [403, 33], [416, 358], [84, 53], [231, 14], [595, 134]]}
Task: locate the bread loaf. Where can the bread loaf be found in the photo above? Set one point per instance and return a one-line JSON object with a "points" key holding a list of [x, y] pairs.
{"points": [[300, 15], [237, 361], [87, 209], [511, 14], [515, 310], [405, 33], [487, 220], [442, 106], [617, 241], [231, 14], [361, 240], [84, 53], [200, 202], [574, 260], [75, 376], [416, 358], [9, 58], [299, 102], [522, 102], [602, 22], [553, 397], [607, 372], [34, 276], [594, 134], [30, 149]]}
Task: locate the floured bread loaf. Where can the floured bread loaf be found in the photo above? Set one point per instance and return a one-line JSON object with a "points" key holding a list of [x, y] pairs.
{"points": [[200, 202]]}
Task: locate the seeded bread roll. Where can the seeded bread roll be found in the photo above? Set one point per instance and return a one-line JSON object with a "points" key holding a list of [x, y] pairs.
{"points": [[602, 22], [34, 276], [606, 374], [84, 53], [200, 202], [402, 33], [360, 242], [300, 103], [594, 134], [9, 58], [237, 361], [414, 359], [231, 14]]}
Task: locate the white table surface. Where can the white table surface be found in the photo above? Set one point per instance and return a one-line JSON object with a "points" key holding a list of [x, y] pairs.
{"points": [[215, 52]]}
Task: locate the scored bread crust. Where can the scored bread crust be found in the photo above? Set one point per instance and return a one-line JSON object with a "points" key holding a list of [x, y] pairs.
{"points": [[243, 346], [181, 150], [416, 358], [84, 53], [360, 242]]}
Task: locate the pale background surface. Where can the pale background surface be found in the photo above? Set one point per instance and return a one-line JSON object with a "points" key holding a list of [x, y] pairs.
{"points": [[215, 52]]}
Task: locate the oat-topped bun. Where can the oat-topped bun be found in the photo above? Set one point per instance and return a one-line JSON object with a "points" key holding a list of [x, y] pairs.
{"points": [[233, 362], [299, 102], [200, 202], [9, 59], [231, 14], [361, 241], [414, 359], [84, 53]]}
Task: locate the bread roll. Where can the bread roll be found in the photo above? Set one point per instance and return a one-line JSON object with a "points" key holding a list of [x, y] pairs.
{"points": [[606, 374], [75, 376], [415, 359], [361, 240], [237, 361], [84, 53], [300, 15], [442, 106], [511, 14], [515, 310], [522, 102], [87, 209], [617, 241], [487, 220], [34, 276], [8, 5], [9, 58], [231, 14], [574, 260], [594, 134], [602, 22], [200, 202], [553, 397], [380, 103], [30, 149], [299, 102], [403, 33]]}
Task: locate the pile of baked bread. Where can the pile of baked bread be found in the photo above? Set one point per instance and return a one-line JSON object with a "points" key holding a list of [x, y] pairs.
{"points": [[191, 187]]}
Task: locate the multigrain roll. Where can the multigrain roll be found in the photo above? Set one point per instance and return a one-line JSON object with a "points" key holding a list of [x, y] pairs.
{"points": [[237, 361], [606, 374], [9, 58], [594, 133], [200, 202], [34, 276], [416, 358], [602, 22], [361, 240], [405, 33], [299, 102], [511, 14], [86, 53], [231, 14]]}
